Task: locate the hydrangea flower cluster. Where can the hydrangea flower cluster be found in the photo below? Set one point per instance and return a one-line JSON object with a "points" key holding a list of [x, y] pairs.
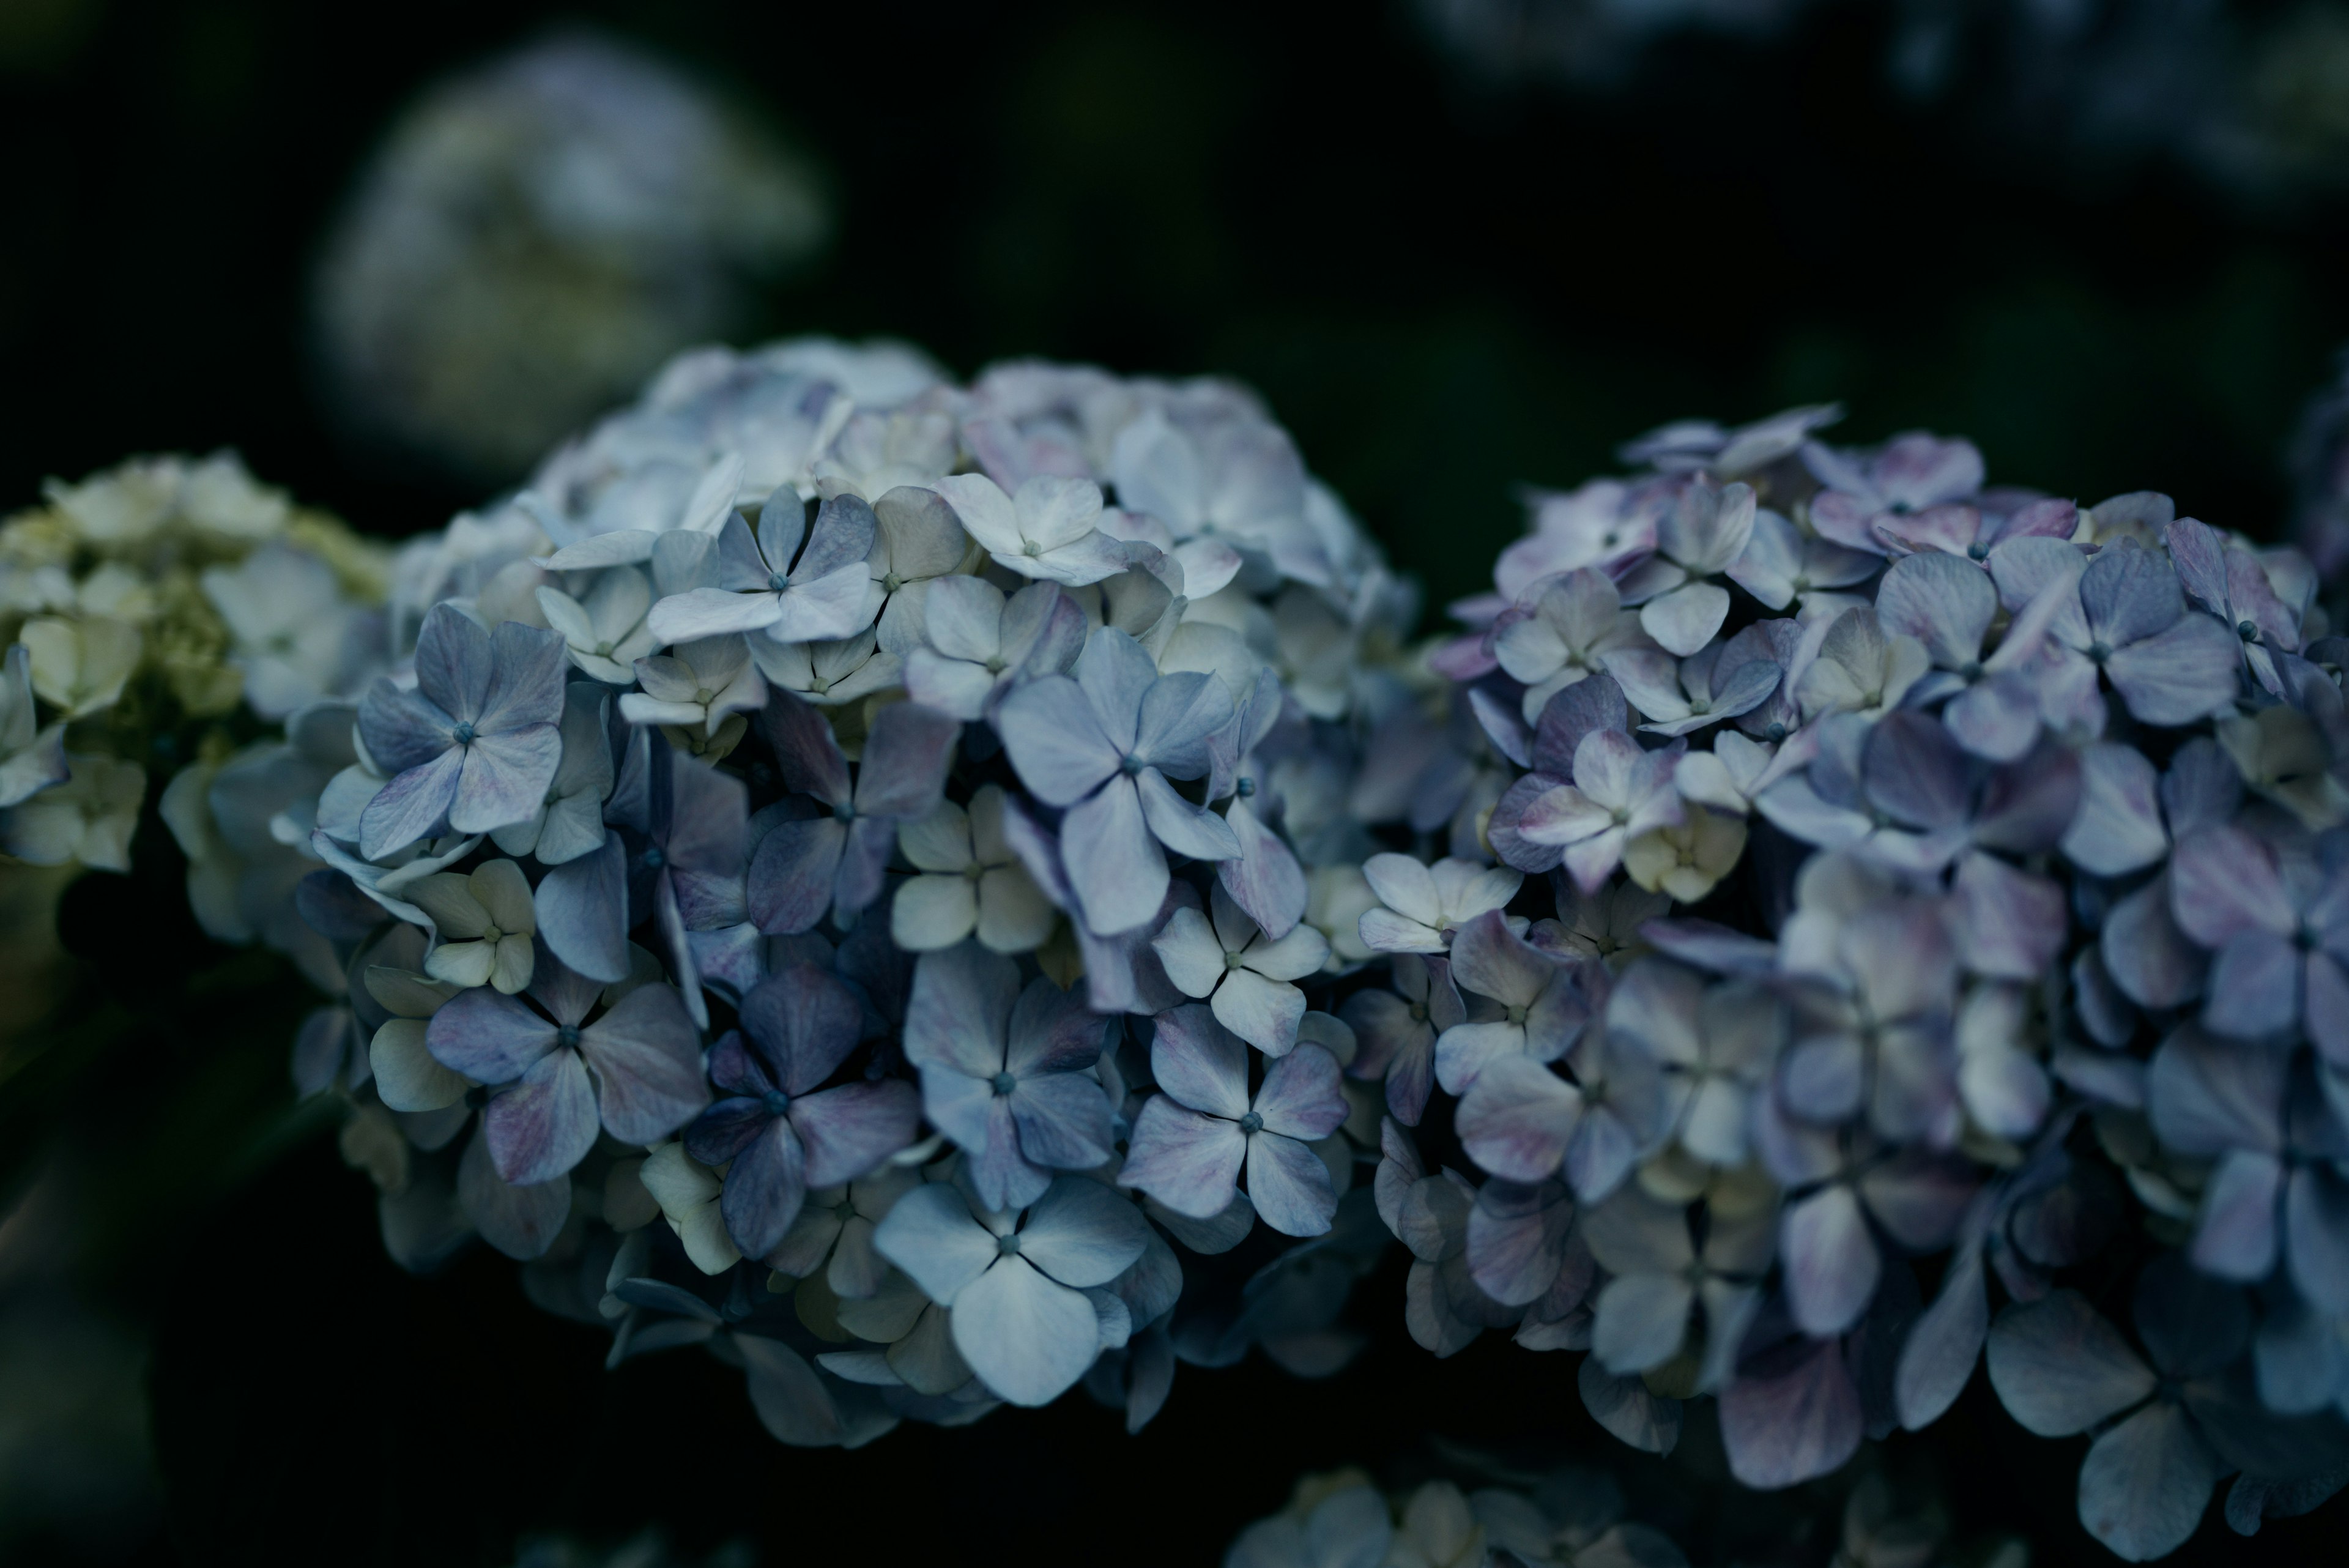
{"points": [[842, 869], [163, 606], [1929, 939], [1573, 1514]]}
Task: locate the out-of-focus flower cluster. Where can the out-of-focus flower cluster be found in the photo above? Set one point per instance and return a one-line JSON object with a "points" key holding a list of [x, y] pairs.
{"points": [[1930, 935], [1579, 1515], [852, 871], [537, 233], [164, 605]]}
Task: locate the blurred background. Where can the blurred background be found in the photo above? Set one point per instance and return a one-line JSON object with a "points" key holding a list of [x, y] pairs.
{"points": [[1460, 245]]}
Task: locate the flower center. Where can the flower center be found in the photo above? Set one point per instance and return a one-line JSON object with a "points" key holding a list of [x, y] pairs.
{"points": [[463, 733], [844, 812], [776, 1102], [1251, 1123], [1776, 730], [1008, 1245], [1977, 550], [1419, 1012], [567, 1037], [652, 859], [843, 1210], [891, 583], [2099, 652], [603, 650], [1245, 788], [1516, 1016], [1971, 670], [2248, 630], [1003, 1082], [778, 581]]}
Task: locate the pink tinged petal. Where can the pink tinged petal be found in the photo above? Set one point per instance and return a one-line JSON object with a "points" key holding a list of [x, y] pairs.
{"points": [[848, 1131], [2060, 1367], [1083, 1234], [1190, 831], [2011, 923], [1264, 879], [1593, 860], [2145, 1483], [543, 1126], [522, 1221], [1686, 619], [1629, 1412], [2184, 674], [1517, 1240], [1490, 959], [646, 1057], [1116, 868], [906, 758], [930, 1234], [2152, 962], [413, 806], [1794, 1418], [2223, 882], [2117, 828], [1944, 602], [792, 876], [1996, 718], [2236, 1238], [489, 1037], [1464, 1050], [1832, 1264], [1264, 1013], [1189, 1162], [1197, 1061], [1937, 1357], [1289, 1184], [1302, 1096], [1517, 1117], [1056, 743]]}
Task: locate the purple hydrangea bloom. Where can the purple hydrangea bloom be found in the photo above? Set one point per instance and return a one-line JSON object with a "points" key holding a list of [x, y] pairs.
{"points": [[831, 863], [1006, 1072], [1193, 1137], [475, 744], [1102, 745], [777, 1130], [626, 1059]]}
